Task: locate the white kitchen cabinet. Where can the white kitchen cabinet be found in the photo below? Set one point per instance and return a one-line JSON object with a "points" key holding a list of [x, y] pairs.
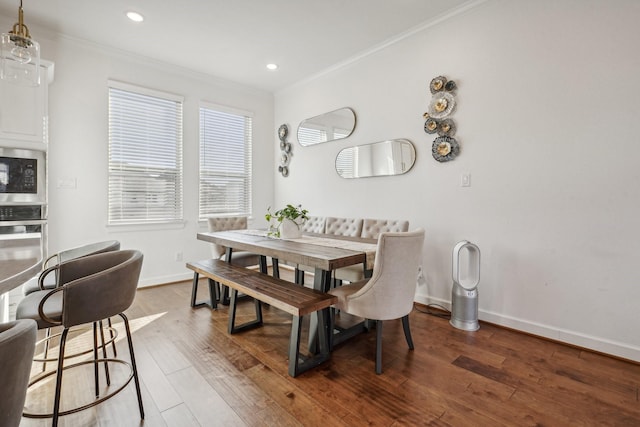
{"points": [[23, 111]]}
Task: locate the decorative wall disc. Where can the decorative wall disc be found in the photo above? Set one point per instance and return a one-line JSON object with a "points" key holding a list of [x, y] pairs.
{"points": [[437, 84], [283, 131], [450, 86], [431, 126], [441, 105], [445, 148], [284, 159], [446, 127]]}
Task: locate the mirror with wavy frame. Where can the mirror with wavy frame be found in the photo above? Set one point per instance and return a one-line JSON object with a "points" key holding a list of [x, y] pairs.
{"points": [[385, 158], [326, 127]]}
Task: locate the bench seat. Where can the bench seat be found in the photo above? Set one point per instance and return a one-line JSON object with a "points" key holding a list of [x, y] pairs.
{"points": [[289, 297]]}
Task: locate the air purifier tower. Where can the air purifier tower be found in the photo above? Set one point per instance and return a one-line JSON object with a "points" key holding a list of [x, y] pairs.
{"points": [[464, 293]]}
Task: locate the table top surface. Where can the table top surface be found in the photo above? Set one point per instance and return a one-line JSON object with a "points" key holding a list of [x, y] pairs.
{"points": [[325, 252]]}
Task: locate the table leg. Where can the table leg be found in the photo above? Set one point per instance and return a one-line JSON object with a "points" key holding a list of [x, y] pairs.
{"points": [[321, 282]]}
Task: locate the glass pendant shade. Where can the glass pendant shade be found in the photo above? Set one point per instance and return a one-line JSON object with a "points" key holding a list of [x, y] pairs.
{"points": [[19, 56]]}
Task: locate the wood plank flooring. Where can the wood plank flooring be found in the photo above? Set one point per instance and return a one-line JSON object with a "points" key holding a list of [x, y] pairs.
{"points": [[194, 374]]}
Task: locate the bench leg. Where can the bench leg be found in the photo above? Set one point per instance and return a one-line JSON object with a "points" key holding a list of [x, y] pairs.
{"points": [[299, 364], [232, 328], [194, 292], [213, 294]]}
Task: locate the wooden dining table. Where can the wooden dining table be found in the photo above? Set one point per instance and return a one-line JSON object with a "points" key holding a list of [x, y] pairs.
{"points": [[325, 253]]}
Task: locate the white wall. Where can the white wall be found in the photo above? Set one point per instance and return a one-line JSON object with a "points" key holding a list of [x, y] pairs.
{"points": [[548, 107], [78, 113]]}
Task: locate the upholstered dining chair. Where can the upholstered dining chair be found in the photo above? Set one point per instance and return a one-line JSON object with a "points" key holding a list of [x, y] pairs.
{"points": [[17, 345], [390, 291], [239, 258], [371, 229], [90, 289]]}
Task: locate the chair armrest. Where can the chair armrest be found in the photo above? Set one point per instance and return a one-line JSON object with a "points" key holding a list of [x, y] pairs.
{"points": [[41, 312], [43, 275]]}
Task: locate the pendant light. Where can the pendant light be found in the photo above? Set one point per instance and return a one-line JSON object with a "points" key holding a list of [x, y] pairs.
{"points": [[19, 55]]}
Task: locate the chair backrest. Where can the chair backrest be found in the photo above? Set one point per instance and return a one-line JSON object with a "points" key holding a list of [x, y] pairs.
{"points": [[371, 228], [99, 286], [315, 224], [223, 224], [17, 345], [86, 250], [351, 227], [390, 292]]}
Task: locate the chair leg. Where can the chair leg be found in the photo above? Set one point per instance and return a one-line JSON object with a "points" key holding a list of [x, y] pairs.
{"points": [[378, 347], [407, 331], [113, 344], [47, 336], [133, 364], [56, 399], [96, 381], [104, 354]]}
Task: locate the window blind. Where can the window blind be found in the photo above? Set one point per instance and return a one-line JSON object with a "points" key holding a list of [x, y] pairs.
{"points": [[145, 156], [225, 162]]}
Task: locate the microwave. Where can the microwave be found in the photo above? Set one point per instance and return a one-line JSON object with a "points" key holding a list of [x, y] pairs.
{"points": [[22, 176]]}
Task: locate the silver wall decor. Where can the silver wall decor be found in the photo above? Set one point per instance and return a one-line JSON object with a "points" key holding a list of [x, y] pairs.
{"points": [[438, 119], [285, 150]]}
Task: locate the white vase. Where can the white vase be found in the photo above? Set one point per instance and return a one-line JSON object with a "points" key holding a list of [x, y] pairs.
{"points": [[290, 229]]}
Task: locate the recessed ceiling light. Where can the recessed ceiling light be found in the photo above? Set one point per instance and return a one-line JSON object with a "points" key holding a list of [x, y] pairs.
{"points": [[272, 66], [135, 16]]}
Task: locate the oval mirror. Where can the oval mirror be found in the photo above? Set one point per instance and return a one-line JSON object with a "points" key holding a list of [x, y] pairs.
{"points": [[391, 157], [326, 127]]}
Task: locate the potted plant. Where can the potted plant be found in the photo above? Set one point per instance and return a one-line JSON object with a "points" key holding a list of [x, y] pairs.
{"points": [[288, 221]]}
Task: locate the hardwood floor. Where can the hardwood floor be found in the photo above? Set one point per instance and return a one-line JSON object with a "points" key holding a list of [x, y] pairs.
{"points": [[194, 374]]}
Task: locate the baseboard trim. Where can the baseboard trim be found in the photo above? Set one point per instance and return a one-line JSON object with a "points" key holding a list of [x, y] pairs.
{"points": [[572, 338]]}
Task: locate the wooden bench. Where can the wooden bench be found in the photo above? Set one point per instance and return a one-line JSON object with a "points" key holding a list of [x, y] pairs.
{"points": [[289, 297]]}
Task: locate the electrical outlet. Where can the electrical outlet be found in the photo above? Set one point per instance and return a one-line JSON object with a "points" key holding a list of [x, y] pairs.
{"points": [[465, 179], [178, 256]]}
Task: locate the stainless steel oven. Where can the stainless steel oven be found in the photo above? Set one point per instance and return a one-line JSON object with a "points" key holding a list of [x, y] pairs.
{"points": [[22, 176]]}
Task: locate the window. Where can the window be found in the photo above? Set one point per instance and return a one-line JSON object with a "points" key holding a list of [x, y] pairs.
{"points": [[225, 161], [145, 155]]}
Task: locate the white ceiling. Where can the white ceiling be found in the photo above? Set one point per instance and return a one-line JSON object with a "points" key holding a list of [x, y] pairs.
{"points": [[235, 39]]}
